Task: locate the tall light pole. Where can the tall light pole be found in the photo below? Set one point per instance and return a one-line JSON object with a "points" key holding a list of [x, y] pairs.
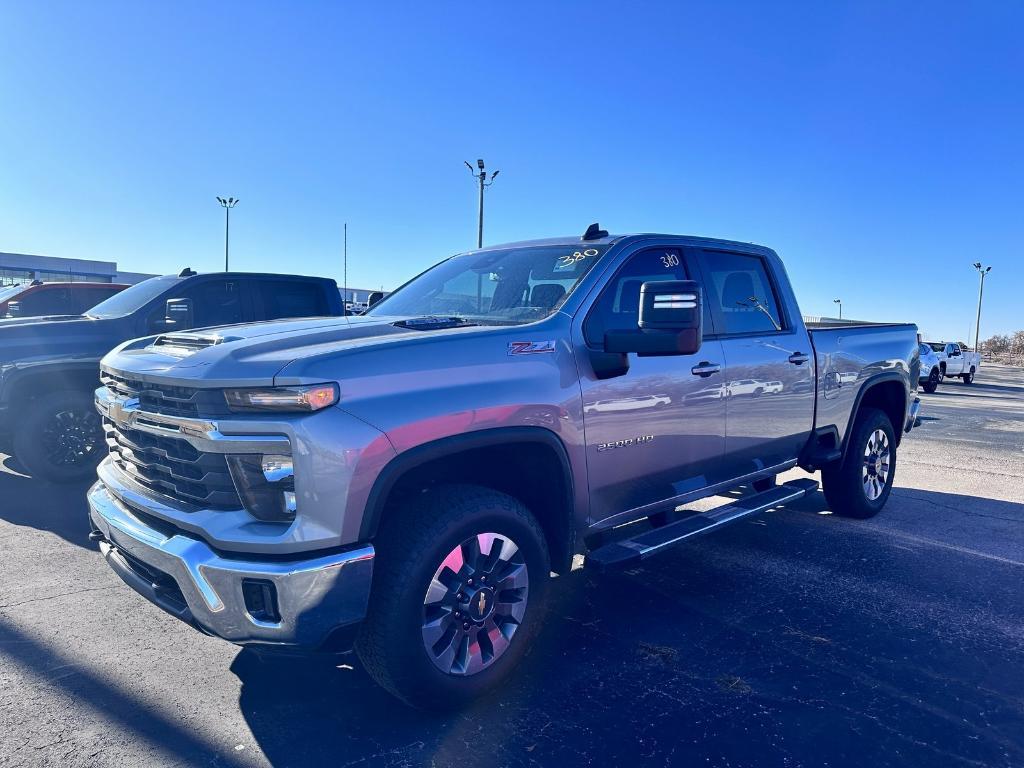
{"points": [[840, 303], [981, 292], [482, 181], [227, 204]]}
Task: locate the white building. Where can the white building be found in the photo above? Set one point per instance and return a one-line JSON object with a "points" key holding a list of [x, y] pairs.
{"points": [[24, 267]]}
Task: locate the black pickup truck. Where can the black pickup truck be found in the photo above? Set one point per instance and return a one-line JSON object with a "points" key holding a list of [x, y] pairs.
{"points": [[49, 366]]}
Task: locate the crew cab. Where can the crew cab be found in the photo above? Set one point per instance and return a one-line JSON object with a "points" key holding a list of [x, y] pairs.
{"points": [[405, 481], [59, 298], [49, 366], [956, 362]]}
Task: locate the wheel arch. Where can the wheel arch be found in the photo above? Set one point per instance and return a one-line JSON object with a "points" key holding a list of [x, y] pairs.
{"points": [[528, 463], [885, 391], [30, 383]]}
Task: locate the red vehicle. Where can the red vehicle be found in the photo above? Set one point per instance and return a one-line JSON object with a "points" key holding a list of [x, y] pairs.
{"points": [[39, 298]]}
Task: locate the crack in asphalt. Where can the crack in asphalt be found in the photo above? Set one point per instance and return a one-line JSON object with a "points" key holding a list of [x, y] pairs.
{"points": [[54, 597]]}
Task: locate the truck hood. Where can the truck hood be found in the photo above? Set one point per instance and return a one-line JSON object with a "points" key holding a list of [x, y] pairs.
{"points": [[251, 354], [9, 322], [34, 339]]}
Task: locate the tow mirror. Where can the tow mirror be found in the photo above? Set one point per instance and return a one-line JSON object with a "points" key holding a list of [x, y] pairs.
{"points": [[669, 322], [178, 314]]}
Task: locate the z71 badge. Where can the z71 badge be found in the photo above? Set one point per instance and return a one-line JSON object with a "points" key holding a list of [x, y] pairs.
{"points": [[530, 347], [624, 443]]}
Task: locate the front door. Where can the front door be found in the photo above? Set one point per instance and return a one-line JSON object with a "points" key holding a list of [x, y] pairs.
{"points": [[769, 362], [658, 430]]}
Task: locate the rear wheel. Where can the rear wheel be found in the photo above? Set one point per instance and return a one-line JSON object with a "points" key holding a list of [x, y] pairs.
{"points": [[860, 484], [933, 381], [459, 589], [969, 376], [60, 438]]}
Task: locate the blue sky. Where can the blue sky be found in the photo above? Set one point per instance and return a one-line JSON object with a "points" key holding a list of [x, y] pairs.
{"points": [[876, 146]]}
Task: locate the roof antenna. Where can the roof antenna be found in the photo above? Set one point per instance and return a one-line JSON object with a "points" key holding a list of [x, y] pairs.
{"points": [[187, 272], [594, 232]]}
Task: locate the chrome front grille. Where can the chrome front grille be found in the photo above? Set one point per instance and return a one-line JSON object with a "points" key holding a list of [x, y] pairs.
{"points": [[172, 467], [166, 399]]}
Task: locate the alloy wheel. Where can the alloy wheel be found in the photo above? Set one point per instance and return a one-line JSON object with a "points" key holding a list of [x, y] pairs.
{"points": [[877, 457], [70, 437], [474, 604]]}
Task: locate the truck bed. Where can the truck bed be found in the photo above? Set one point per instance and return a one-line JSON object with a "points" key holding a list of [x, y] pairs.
{"points": [[847, 357]]}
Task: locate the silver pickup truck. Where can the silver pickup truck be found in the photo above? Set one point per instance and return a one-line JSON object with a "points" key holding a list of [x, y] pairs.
{"points": [[404, 482]]}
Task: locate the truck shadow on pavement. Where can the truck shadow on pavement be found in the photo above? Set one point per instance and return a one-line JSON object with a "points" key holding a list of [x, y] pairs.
{"points": [[58, 509], [795, 637]]}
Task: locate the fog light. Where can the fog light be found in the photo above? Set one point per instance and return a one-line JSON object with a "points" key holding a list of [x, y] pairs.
{"points": [[261, 600], [265, 485]]}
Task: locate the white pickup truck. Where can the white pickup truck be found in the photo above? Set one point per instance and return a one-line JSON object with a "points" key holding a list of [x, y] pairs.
{"points": [[955, 361]]}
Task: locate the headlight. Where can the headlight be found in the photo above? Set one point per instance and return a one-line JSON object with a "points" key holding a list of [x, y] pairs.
{"points": [[265, 484], [311, 397]]}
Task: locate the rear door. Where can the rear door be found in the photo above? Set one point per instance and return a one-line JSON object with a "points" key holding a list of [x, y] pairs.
{"points": [[657, 431], [276, 299], [769, 365]]}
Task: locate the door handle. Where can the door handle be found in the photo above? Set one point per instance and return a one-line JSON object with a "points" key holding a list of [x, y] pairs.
{"points": [[705, 369], [799, 358]]}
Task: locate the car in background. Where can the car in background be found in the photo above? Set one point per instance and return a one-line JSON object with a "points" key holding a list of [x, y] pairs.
{"points": [[931, 371], [50, 366], [38, 299], [955, 361]]}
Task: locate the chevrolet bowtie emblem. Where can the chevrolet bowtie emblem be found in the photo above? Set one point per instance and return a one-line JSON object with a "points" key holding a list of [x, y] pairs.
{"points": [[481, 604], [122, 410]]}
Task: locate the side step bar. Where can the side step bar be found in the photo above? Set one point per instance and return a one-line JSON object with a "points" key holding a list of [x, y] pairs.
{"points": [[629, 552]]}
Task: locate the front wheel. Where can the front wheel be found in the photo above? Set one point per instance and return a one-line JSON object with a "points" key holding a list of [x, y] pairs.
{"points": [[459, 591], [968, 377], [860, 483], [60, 439], [932, 383]]}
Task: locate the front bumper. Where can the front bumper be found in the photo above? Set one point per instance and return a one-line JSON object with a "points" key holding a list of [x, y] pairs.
{"points": [[185, 577]]}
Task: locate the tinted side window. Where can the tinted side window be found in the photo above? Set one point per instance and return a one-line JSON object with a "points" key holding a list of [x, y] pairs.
{"points": [[618, 307], [290, 298], [214, 302], [48, 301], [740, 290], [83, 299]]}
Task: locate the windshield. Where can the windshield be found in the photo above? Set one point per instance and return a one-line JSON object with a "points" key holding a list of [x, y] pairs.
{"points": [[131, 299], [508, 286], [938, 347]]}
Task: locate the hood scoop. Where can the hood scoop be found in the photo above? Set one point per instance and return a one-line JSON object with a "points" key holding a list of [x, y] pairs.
{"points": [[433, 323], [184, 344]]}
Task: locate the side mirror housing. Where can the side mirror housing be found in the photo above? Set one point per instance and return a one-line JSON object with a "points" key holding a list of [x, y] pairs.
{"points": [[178, 314], [669, 323], [373, 298]]}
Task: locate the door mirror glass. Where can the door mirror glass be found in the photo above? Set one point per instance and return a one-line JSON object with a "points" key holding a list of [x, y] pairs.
{"points": [[178, 314], [669, 321]]}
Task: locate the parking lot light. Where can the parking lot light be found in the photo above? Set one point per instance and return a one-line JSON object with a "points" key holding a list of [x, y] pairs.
{"points": [[981, 292]]}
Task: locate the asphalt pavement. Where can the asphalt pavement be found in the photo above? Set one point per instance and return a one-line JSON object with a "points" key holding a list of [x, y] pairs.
{"points": [[796, 639]]}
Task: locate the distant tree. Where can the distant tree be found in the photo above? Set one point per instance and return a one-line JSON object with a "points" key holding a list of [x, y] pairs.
{"points": [[1006, 347]]}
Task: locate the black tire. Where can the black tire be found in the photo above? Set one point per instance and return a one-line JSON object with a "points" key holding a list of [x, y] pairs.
{"points": [[845, 482], [932, 383], [968, 378], [59, 439], [764, 484], [410, 548]]}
